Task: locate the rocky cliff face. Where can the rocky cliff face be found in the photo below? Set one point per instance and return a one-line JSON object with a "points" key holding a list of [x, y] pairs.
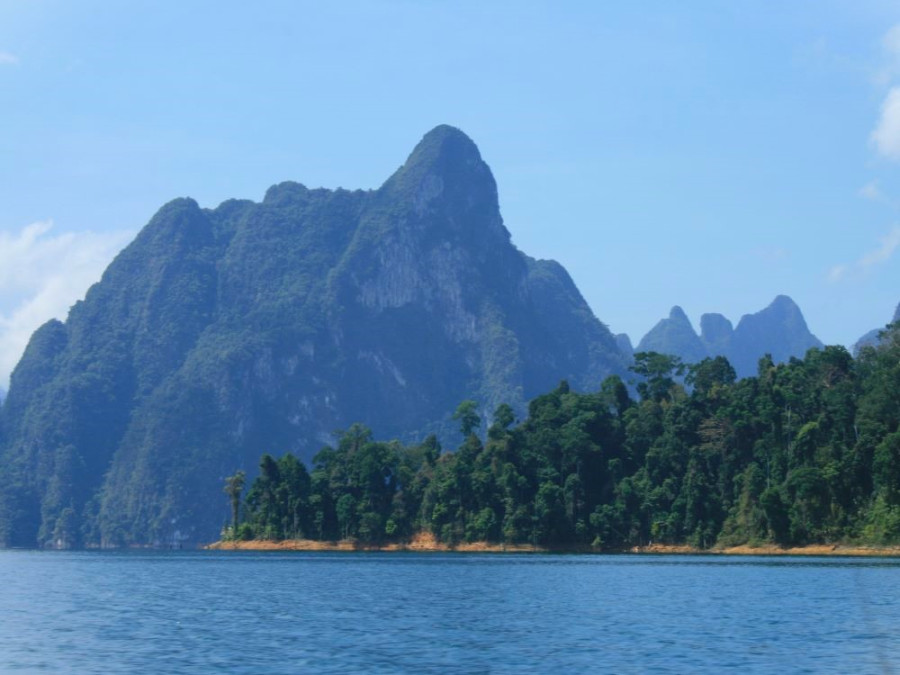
{"points": [[779, 330], [220, 334]]}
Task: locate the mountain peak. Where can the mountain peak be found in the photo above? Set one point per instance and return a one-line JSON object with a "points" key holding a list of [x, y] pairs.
{"points": [[678, 314], [445, 151], [444, 137], [449, 188], [779, 330], [783, 304], [675, 336]]}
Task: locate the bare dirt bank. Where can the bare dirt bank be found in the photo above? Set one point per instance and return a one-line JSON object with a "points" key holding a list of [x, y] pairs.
{"points": [[426, 542], [423, 542], [811, 550]]}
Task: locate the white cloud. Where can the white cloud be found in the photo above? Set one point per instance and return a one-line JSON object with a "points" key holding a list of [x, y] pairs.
{"points": [[883, 253], [7, 59], [886, 135], [891, 42], [837, 273], [887, 246], [871, 191], [890, 67], [41, 276], [772, 254]]}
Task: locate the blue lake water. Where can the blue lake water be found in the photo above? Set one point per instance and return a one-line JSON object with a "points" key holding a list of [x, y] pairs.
{"points": [[197, 612]]}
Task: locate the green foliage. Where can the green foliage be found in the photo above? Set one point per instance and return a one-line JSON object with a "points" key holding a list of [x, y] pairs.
{"points": [[657, 372], [467, 416], [234, 485]]}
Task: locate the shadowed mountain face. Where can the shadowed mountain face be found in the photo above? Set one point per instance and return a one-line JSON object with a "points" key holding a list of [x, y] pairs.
{"points": [[624, 344], [872, 338], [716, 333], [779, 330], [221, 334]]}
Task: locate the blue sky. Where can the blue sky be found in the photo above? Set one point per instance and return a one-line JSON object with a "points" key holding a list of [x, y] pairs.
{"points": [[706, 154]]}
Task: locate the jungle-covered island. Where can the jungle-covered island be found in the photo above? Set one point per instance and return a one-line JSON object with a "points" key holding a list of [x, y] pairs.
{"points": [[222, 333], [805, 454]]}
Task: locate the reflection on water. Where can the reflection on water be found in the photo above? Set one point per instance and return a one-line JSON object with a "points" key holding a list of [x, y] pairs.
{"points": [[460, 613]]}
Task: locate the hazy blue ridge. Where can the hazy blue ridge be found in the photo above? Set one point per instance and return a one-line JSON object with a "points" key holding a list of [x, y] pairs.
{"points": [[779, 330], [674, 335], [624, 344], [872, 337], [220, 334]]}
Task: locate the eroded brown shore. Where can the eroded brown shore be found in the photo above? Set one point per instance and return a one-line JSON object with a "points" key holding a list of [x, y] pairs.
{"points": [[427, 543], [424, 542]]}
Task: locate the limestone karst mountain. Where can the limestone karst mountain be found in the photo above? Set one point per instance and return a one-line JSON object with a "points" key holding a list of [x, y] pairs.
{"points": [[219, 334]]}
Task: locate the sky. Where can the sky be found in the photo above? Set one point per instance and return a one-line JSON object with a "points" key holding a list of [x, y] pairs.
{"points": [[706, 154]]}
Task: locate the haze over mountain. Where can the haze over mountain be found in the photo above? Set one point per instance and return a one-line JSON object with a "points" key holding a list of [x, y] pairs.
{"points": [[623, 342], [220, 334], [871, 338], [674, 335], [779, 330]]}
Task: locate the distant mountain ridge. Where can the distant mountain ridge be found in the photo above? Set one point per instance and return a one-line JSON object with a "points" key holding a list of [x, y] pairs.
{"points": [[674, 335], [220, 334], [779, 330]]}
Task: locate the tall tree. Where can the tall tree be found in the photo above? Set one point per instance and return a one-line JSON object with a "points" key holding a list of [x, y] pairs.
{"points": [[467, 416], [234, 485]]}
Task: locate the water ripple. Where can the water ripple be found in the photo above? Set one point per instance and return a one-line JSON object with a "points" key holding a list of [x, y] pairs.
{"points": [[103, 612]]}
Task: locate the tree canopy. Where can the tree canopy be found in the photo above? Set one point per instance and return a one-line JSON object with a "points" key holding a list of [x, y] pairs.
{"points": [[807, 451]]}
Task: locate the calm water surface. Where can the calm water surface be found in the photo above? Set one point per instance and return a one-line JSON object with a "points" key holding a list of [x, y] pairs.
{"points": [[102, 612]]}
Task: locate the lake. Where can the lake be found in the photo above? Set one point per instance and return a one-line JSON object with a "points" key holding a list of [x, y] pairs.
{"points": [[198, 612]]}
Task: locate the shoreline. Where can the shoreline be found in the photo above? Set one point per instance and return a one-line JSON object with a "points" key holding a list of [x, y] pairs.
{"points": [[420, 543], [426, 543]]}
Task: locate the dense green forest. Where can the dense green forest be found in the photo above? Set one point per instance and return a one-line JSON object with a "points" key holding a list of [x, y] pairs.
{"points": [[807, 451]]}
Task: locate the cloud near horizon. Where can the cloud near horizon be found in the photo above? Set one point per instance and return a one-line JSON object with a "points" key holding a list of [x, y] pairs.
{"points": [[886, 135], [42, 275], [888, 245], [871, 191], [891, 44]]}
